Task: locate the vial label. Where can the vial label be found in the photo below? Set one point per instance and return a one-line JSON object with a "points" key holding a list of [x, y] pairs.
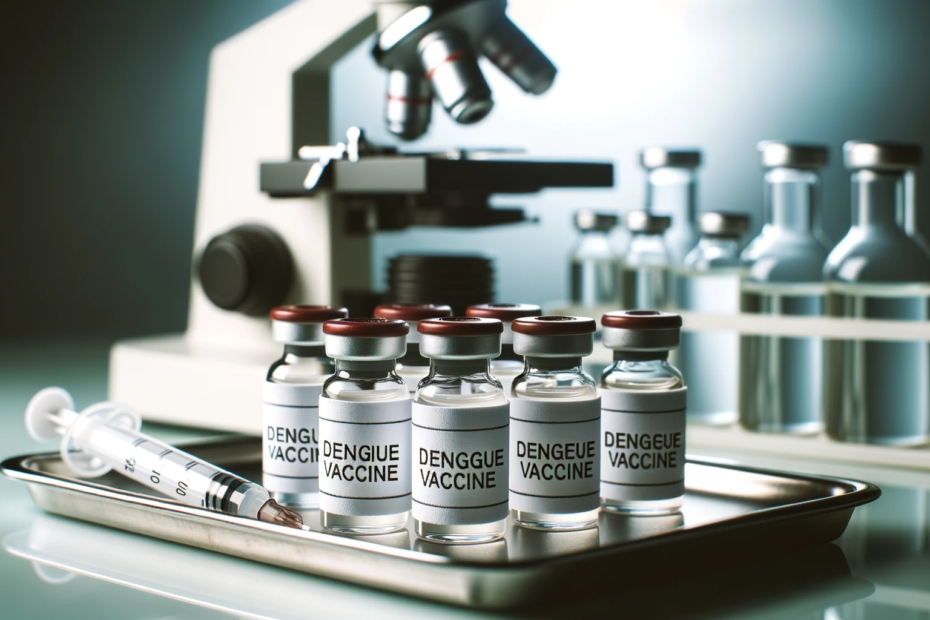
{"points": [[460, 475], [642, 444], [290, 447], [555, 456], [365, 457]]}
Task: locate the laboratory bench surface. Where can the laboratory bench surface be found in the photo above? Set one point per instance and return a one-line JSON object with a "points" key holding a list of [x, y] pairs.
{"points": [[880, 568]]}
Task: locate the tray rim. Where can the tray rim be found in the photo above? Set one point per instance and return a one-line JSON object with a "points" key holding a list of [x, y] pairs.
{"points": [[856, 493]]}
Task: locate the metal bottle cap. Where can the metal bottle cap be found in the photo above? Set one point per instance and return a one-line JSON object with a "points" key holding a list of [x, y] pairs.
{"points": [[586, 219], [460, 338], [505, 313], [661, 157], [722, 224], [858, 155], [554, 336], [644, 222], [302, 325], [642, 331], [776, 154], [412, 313], [365, 340]]}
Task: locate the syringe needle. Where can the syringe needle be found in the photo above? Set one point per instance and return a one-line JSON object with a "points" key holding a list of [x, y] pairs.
{"points": [[273, 512]]}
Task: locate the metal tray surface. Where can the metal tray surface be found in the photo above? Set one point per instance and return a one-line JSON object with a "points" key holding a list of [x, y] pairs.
{"points": [[731, 514]]}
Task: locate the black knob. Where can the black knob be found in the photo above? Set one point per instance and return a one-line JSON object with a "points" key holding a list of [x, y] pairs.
{"points": [[247, 269]]}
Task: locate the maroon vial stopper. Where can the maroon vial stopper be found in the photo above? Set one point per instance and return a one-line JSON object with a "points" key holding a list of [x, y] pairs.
{"points": [[460, 326], [554, 325], [366, 328], [307, 314], [412, 312], [503, 312], [641, 319]]}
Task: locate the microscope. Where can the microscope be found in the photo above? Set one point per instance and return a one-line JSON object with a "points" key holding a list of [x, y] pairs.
{"points": [[284, 217]]}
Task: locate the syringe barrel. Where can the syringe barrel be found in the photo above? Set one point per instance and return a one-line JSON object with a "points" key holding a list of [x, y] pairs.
{"points": [[175, 473]]}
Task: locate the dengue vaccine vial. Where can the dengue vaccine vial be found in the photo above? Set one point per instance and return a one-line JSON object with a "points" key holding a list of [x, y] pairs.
{"points": [[555, 421], [290, 442], [412, 367], [460, 434], [506, 367], [365, 429], [643, 408]]}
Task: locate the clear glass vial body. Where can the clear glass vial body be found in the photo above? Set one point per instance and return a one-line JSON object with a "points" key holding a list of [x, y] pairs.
{"points": [[460, 384], [645, 272], [673, 191], [365, 382], [781, 377], [555, 379], [878, 392], [594, 275], [301, 365], [710, 282], [649, 372]]}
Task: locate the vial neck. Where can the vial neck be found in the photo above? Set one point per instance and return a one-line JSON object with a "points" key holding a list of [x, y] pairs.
{"points": [[459, 367], [878, 198], [792, 199], [305, 351], [640, 356], [365, 369], [553, 364]]}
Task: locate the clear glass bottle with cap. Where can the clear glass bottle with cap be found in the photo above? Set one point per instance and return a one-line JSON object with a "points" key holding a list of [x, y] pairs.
{"points": [[645, 270], [291, 395], [709, 282], [555, 419], [506, 367], [879, 391], [594, 272], [412, 367], [643, 405], [671, 190], [460, 434], [781, 377], [365, 456]]}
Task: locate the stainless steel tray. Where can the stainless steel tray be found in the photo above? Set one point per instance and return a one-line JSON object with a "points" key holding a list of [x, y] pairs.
{"points": [[731, 514]]}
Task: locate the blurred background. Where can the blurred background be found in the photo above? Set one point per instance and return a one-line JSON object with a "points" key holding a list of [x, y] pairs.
{"points": [[104, 103]]}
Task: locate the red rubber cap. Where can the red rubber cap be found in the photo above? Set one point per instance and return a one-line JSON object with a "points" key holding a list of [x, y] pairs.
{"points": [[307, 314], [412, 312], [366, 328], [503, 312], [460, 326], [641, 319], [554, 325]]}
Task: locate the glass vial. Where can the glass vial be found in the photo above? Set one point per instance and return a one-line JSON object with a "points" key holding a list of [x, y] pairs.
{"points": [[643, 404], [671, 190], [412, 367], [555, 420], [365, 429], [645, 270], [879, 391], [461, 421], [709, 282], [291, 395], [781, 377], [593, 264], [508, 365]]}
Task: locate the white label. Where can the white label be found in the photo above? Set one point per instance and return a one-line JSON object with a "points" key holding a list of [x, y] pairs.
{"points": [[555, 456], [643, 444], [365, 457], [460, 475], [290, 447]]}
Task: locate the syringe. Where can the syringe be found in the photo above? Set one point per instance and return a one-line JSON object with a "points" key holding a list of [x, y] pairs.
{"points": [[106, 436]]}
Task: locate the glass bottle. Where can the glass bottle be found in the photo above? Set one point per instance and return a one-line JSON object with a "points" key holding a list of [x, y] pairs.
{"points": [[879, 391], [645, 271], [643, 404], [709, 282], [781, 377], [291, 395], [365, 477], [671, 190], [508, 365], [460, 434], [412, 367], [555, 419], [594, 276]]}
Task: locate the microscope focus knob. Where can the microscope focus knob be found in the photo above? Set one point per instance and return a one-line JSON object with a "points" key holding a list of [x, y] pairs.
{"points": [[247, 269]]}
